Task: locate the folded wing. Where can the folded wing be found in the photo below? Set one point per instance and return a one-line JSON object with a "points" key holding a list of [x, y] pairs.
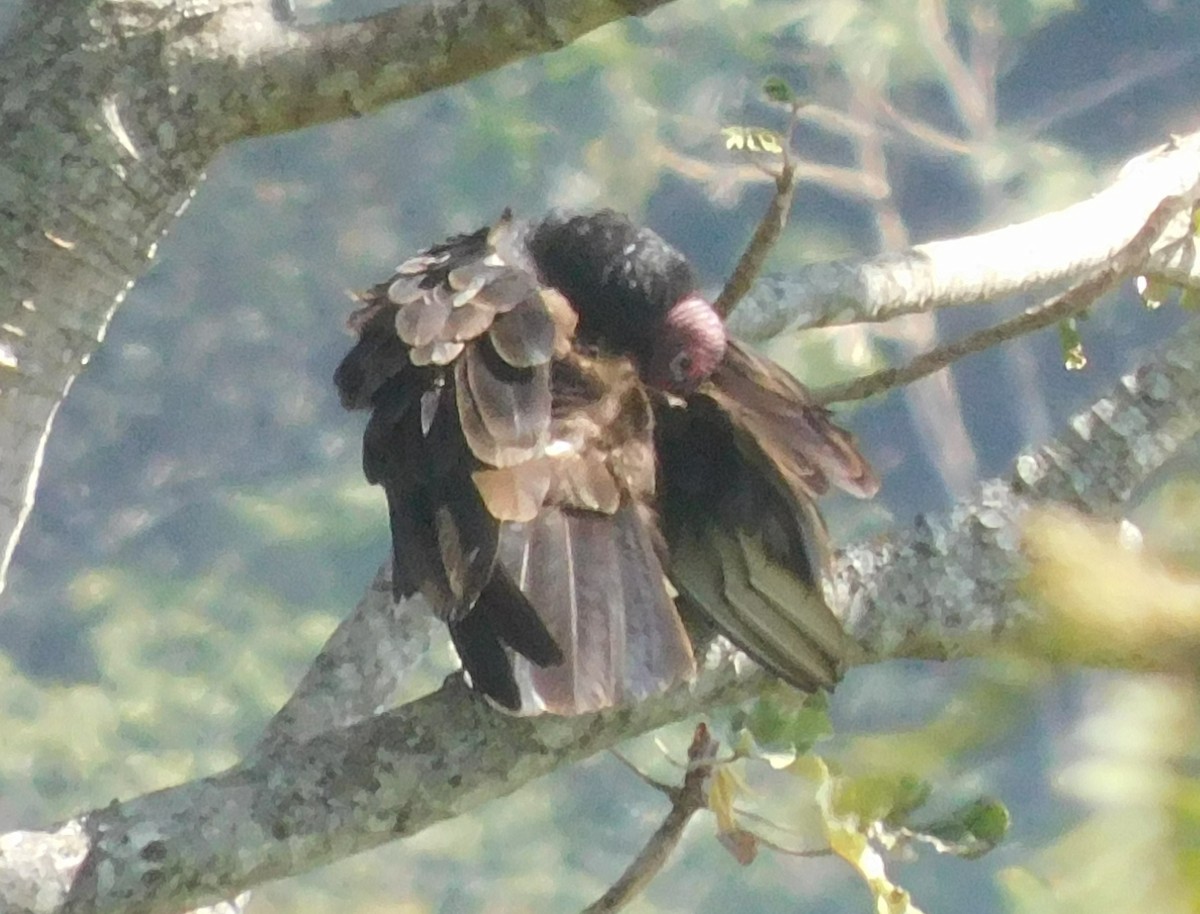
{"points": [[741, 465]]}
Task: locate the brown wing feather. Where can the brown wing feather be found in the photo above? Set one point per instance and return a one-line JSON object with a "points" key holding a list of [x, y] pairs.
{"points": [[587, 560], [445, 405], [782, 423], [505, 411]]}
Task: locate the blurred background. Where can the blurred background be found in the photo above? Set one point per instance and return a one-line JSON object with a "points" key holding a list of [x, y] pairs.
{"points": [[202, 523]]}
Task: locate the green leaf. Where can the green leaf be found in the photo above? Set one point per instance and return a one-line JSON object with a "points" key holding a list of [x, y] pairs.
{"points": [[752, 139], [910, 793], [877, 798], [971, 831], [735, 137], [786, 720], [777, 90]]}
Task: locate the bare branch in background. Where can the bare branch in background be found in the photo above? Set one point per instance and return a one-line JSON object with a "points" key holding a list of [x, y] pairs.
{"points": [[686, 801], [971, 99], [1072, 104], [721, 177], [927, 137]]}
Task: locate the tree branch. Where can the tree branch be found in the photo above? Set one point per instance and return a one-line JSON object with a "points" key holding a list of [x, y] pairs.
{"points": [[909, 596], [1125, 263], [262, 75], [686, 801], [1029, 257], [360, 669], [343, 792]]}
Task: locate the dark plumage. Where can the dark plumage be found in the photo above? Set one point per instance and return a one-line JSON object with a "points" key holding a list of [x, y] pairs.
{"points": [[569, 444]]}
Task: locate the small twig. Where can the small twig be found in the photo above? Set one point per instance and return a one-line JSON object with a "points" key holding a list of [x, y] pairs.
{"points": [[1127, 262], [686, 802], [1046, 314], [643, 777], [970, 99], [770, 227]]}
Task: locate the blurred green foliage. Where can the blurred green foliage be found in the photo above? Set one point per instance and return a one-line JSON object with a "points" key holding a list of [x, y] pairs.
{"points": [[202, 523]]}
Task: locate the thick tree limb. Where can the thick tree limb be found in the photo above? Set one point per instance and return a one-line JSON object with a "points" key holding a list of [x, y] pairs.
{"points": [[951, 586], [1051, 250], [260, 75], [360, 670], [343, 792]]}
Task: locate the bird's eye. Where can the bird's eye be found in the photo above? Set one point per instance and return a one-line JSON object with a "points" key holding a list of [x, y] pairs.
{"points": [[681, 366]]}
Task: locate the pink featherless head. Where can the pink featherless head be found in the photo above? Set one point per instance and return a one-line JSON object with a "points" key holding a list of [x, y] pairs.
{"points": [[688, 347]]}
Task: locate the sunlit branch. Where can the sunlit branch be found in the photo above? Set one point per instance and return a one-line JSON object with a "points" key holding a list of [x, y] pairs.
{"points": [[1050, 250], [1078, 298]]}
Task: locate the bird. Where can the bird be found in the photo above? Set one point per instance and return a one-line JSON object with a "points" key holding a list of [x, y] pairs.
{"points": [[577, 456]]}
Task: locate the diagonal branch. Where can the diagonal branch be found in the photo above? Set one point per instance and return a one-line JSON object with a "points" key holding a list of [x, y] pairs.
{"points": [[686, 801], [952, 585], [263, 75], [343, 792]]}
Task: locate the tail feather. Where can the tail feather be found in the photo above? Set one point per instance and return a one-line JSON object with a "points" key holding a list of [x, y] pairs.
{"points": [[598, 586], [659, 651]]}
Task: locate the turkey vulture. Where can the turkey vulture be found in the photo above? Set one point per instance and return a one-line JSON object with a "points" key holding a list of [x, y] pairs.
{"points": [[570, 446]]}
